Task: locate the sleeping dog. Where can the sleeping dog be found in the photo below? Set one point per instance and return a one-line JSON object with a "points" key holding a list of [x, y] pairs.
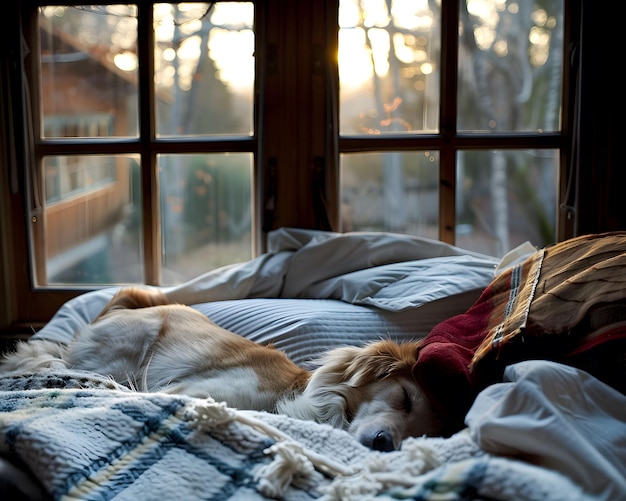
{"points": [[148, 344]]}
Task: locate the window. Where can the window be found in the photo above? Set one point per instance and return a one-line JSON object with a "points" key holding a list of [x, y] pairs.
{"points": [[186, 140], [165, 139], [432, 120]]}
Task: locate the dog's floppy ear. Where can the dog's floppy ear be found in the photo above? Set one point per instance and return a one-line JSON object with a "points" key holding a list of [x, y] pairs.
{"points": [[359, 366], [380, 360], [338, 365]]}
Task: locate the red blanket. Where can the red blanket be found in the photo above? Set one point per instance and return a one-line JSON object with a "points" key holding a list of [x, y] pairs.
{"points": [[566, 303]]}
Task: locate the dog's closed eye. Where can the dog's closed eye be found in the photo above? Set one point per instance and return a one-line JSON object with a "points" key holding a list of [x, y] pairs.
{"points": [[407, 403], [402, 401]]}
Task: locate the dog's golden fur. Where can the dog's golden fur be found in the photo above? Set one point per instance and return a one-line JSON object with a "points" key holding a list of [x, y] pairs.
{"points": [[143, 341]]}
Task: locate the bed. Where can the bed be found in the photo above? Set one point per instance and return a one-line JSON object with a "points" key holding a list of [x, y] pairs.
{"points": [[528, 421]]}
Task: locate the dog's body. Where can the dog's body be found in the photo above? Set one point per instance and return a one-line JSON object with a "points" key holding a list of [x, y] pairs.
{"points": [[141, 340]]}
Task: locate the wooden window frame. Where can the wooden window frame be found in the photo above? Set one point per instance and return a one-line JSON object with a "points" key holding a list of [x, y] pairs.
{"points": [[296, 144]]}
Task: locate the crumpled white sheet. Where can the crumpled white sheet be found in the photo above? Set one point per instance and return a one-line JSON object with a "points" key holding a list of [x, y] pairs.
{"points": [[560, 418], [390, 271]]}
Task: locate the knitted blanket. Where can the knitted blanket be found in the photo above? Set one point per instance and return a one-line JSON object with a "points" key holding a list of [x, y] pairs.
{"points": [[84, 437]]}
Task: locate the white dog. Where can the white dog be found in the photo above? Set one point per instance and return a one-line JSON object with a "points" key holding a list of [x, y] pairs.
{"points": [[142, 341]]}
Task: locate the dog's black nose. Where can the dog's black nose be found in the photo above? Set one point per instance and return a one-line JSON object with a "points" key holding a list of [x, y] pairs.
{"points": [[383, 442]]}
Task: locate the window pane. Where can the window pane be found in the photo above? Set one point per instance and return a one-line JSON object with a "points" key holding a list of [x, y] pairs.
{"points": [[204, 68], [88, 70], [510, 66], [394, 191], [69, 177], [91, 220], [388, 66], [505, 198], [206, 212]]}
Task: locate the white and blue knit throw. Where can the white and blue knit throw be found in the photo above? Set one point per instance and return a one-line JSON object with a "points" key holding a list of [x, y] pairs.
{"points": [[83, 437]]}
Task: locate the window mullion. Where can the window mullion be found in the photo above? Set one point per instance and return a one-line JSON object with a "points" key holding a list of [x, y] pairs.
{"points": [[448, 118], [332, 117], [323, 176], [147, 134], [284, 119]]}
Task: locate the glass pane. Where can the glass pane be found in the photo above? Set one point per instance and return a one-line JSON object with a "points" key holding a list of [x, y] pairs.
{"points": [[389, 66], [206, 212], [92, 220], [505, 198], [204, 68], [510, 66], [88, 70], [394, 191]]}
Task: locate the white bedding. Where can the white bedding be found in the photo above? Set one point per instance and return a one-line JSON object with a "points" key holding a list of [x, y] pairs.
{"points": [[556, 417], [316, 290]]}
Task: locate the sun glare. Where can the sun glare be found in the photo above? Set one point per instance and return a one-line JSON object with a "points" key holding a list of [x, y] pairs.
{"points": [[126, 61], [230, 43], [355, 64], [233, 53], [364, 39]]}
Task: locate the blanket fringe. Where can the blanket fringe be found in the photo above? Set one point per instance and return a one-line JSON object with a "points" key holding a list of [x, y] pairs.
{"points": [[209, 414], [291, 459], [383, 471]]}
